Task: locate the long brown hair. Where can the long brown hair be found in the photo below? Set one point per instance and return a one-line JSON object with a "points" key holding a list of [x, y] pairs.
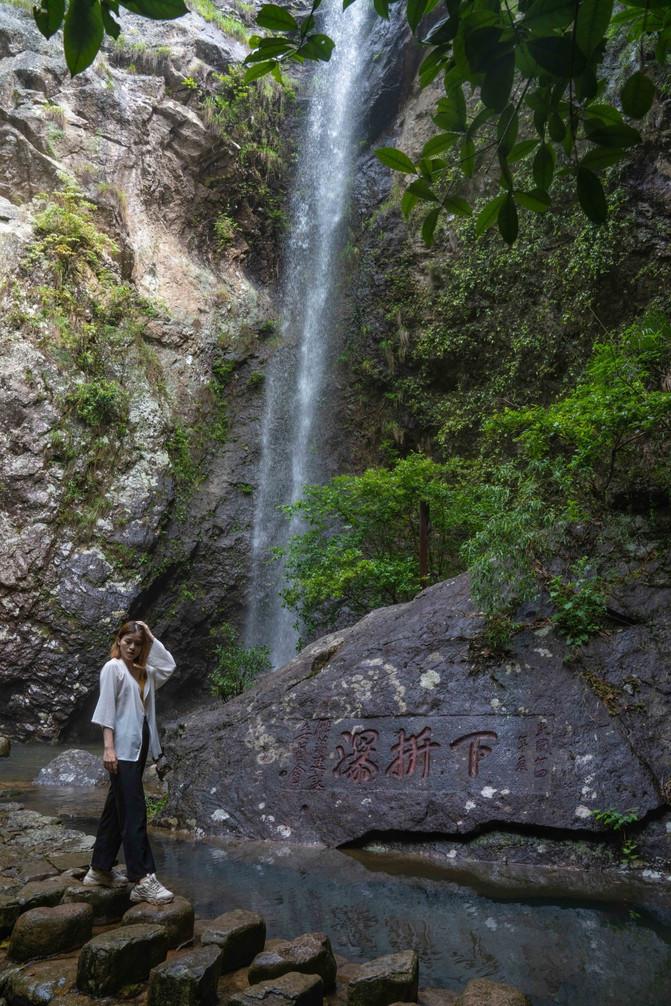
{"points": [[127, 629]]}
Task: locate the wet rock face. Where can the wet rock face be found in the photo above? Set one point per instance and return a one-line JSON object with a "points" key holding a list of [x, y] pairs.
{"points": [[190, 979], [400, 723], [73, 768], [136, 144], [387, 980], [240, 935], [176, 918], [292, 989], [120, 957], [42, 932], [109, 904]]}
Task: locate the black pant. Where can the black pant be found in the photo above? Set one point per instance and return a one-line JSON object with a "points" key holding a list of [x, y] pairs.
{"points": [[124, 819]]}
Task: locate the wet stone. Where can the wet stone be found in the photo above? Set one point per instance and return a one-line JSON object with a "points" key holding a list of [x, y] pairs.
{"points": [[42, 932], [109, 904], [39, 983], [176, 918], [70, 860], [5, 746], [308, 954], [437, 997], [483, 992], [37, 869], [73, 768], [36, 894], [120, 957], [241, 935], [385, 980], [292, 989], [189, 979]]}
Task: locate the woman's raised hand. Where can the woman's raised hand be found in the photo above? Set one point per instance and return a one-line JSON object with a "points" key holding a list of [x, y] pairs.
{"points": [[147, 629]]}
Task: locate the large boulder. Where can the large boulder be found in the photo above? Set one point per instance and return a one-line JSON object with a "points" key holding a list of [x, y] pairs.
{"points": [[176, 918], [120, 957], [42, 932], [406, 722], [74, 768], [239, 934], [190, 979]]}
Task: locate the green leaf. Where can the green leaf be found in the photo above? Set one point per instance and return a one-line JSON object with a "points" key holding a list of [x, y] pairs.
{"points": [[82, 34], [396, 160], [482, 48], [112, 27], [605, 113], [591, 24], [269, 48], [382, 8], [488, 214], [586, 86], [276, 18], [506, 130], [156, 10], [498, 82], [259, 70], [415, 12], [451, 114], [556, 127], [468, 157], [522, 150], [421, 188], [408, 202], [430, 67], [591, 196], [602, 157], [615, 135], [637, 95], [538, 200], [547, 15], [318, 47], [484, 115], [442, 32], [429, 225], [507, 220], [455, 204], [557, 55], [544, 167], [49, 16], [437, 144]]}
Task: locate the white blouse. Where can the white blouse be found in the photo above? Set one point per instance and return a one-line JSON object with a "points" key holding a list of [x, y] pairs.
{"points": [[120, 705]]}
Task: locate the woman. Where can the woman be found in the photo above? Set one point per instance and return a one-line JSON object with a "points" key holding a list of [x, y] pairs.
{"points": [[126, 712]]}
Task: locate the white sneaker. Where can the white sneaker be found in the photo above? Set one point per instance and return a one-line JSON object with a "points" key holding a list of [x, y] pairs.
{"points": [[152, 890], [101, 878]]}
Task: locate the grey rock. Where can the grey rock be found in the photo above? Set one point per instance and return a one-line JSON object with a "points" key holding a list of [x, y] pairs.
{"points": [[40, 983], [120, 957], [5, 746], [73, 768], [36, 894], [386, 980], [483, 992], [189, 979], [436, 997], [309, 954], [239, 934], [42, 932], [398, 721], [176, 918], [293, 989], [109, 904]]}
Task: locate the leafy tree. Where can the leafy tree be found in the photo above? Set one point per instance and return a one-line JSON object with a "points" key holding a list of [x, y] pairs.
{"points": [[599, 452]]}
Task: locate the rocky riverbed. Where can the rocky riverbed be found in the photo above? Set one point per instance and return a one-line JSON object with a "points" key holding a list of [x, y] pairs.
{"points": [[71, 944]]}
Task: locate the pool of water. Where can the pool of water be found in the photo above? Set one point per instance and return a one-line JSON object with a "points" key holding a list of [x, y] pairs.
{"points": [[562, 951]]}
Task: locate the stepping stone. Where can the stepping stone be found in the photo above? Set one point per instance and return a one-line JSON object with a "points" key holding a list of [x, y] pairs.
{"points": [[120, 957], [108, 903], [176, 918], [37, 894], [241, 936], [37, 869], [292, 989], [437, 997], [189, 979], [482, 992], [309, 954], [39, 983], [42, 932], [70, 860], [385, 980]]}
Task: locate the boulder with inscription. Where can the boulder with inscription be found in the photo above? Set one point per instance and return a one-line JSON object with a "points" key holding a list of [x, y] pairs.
{"points": [[239, 934], [406, 722], [309, 954], [385, 980]]}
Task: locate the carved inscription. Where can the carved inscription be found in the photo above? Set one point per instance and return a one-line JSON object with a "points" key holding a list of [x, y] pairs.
{"points": [[441, 753]]}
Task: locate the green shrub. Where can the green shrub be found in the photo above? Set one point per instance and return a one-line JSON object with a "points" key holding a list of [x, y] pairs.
{"points": [[236, 667], [580, 603], [225, 230], [100, 402]]}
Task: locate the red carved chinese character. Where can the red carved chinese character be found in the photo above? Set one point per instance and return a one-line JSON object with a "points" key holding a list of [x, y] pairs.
{"points": [[476, 749], [407, 750], [356, 764]]}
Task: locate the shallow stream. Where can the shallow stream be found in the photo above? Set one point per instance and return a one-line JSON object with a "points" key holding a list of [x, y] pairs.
{"points": [[560, 950]]}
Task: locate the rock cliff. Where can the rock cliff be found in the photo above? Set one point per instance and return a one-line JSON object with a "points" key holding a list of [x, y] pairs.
{"points": [[407, 723]]}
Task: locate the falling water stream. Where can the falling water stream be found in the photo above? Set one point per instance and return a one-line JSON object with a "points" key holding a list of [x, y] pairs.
{"points": [[299, 392]]}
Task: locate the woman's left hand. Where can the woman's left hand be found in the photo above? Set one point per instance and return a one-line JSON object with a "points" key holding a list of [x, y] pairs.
{"points": [[147, 629]]}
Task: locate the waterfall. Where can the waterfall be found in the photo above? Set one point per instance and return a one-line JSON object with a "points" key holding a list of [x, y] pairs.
{"points": [[298, 386]]}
